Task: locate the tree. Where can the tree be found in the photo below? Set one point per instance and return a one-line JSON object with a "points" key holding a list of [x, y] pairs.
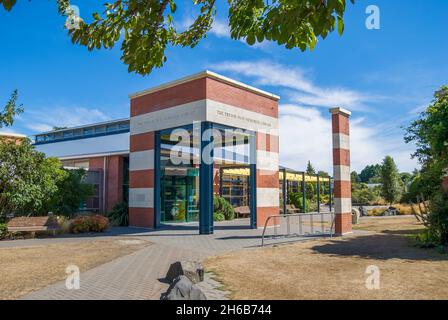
{"points": [[406, 178], [323, 174], [310, 169], [71, 193], [392, 186], [146, 28], [27, 178], [370, 174], [430, 134], [354, 177], [11, 110]]}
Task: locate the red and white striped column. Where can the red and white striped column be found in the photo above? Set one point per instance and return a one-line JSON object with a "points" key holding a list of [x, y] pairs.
{"points": [[141, 180], [341, 170]]}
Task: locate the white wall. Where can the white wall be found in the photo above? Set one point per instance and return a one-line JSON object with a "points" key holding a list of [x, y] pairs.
{"points": [[97, 145]]}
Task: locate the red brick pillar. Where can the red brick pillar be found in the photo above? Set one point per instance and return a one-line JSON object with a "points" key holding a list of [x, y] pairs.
{"points": [[141, 180], [341, 170]]}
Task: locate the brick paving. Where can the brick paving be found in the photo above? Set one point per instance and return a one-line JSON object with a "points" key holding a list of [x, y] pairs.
{"points": [[140, 274]]}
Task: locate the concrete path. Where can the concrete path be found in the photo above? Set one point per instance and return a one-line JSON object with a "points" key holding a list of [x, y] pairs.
{"points": [[140, 274]]}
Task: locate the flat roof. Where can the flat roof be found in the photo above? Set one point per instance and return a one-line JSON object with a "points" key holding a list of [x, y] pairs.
{"points": [[85, 126], [203, 74]]}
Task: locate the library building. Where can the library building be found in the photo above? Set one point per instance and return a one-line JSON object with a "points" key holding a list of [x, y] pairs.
{"points": [[190, 140]]}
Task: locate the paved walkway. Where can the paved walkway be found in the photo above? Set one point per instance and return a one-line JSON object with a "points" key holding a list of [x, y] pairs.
{"points": [[140, 274]]}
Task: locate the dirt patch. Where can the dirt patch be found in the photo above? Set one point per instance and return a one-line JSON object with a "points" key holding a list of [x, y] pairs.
{"points": [[408, 224], [336, 268], [26, 269]]}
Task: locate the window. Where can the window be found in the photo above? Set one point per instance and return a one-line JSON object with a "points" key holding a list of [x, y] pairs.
{"points": [[100, 129], [77, 132], [123, 126], [68, 134], [88, 131], [112, 127]]}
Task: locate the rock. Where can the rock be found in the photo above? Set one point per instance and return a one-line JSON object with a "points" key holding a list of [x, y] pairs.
{"points": [[182, 288], [193, 270], [355, 215]]}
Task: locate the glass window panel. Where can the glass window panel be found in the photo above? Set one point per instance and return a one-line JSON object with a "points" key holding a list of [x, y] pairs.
{"points": [[100, 129]]}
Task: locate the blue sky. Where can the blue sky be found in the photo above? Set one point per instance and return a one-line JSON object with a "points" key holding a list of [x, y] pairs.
{"points": [[384, 76]]}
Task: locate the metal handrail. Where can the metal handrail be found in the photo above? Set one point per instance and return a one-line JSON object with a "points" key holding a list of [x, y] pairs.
{"points": [[299, 215]]}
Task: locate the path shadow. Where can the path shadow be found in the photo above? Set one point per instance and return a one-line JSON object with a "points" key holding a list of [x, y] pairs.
{"points": [[382, 246]]}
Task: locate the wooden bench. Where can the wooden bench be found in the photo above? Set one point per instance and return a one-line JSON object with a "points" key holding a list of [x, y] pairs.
{"points": [[290, 208], [242, 212], [33, 224]]}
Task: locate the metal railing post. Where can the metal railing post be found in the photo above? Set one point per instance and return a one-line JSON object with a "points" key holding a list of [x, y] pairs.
{"points": [[303, 193], [278, 223], [318, 194]]}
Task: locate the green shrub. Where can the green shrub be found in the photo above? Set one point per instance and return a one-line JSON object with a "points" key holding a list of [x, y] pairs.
{"points": [[119, 215], [217, 216], [3, 231], [436, 218], [95, 223], [296, 199], [71, 193], [363, 195], [63, 223], [223, 207]]}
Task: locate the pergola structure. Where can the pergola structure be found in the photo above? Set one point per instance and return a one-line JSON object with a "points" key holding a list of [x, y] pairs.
{"points": [[287, 179]]}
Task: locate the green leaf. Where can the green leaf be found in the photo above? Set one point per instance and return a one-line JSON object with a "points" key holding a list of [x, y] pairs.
{"points": [[250, 39], [340, 26]]}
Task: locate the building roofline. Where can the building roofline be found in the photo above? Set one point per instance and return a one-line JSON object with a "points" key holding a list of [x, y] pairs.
{"points": [[84, 126], [204, 74]]}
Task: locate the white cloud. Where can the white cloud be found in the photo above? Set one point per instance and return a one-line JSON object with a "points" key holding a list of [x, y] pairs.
{"points": [[45, 119], [305, 134], [301, 89], [220, 29]]}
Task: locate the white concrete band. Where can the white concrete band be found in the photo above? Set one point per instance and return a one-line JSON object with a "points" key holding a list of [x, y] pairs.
{"points": [[203, 110], [267, 197], [141, 160], [341, 141], [341, 173], [141, 198], [169, 118], [342, 205], [237, 117], [267, 160], [341, 111]]}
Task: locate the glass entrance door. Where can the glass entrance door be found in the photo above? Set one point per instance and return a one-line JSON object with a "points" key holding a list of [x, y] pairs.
{"points": [[179, 176], [179, 198]]}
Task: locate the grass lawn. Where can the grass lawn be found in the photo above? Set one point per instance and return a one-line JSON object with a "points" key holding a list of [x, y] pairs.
{"points": [[26, 269], [335, 268]]}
